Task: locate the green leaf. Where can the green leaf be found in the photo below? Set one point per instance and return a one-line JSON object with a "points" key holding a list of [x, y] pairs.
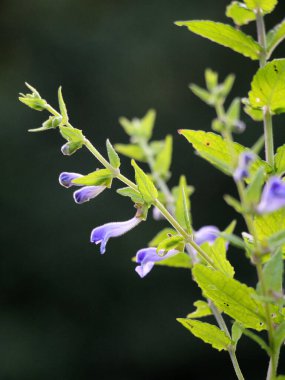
{"points": [[131, 150], [253, 191], [225, 35], [280, 160], [102, 177], [172, 242], [236, 333], [72, 134], [231, 297], [255, 114], [277, 240], [182, 206], [279, 335], [138, 128], [234, 203], [208, 333], [217, 151], [267, 6], [162, 235], [113, 156], [239, 12], [268, 87], [133, 194], [33, 100], [145, 186], [163, 158], [179, 260], [211, 78], [234, 240], [51, 123], [273, 273], [147, 123], [62, 107], [203, 94], [202, 310], [274, 37]]}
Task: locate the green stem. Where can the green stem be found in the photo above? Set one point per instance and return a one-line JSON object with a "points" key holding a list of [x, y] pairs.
{"points": [[268, 135]]}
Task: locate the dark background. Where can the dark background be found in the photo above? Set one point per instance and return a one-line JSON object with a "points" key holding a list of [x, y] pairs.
{"points": [[67, 312]]}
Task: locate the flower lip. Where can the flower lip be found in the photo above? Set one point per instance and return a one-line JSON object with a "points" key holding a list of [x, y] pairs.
{"points": [[86, 193], [206, 234], [273, 196], [101, 234], [65, 179]]}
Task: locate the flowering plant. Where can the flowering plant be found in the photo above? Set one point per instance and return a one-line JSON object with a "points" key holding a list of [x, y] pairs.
{"points": [[260, 185]]}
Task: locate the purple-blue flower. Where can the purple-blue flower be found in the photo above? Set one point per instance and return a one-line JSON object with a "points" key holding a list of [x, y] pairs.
{"points": [[273, 196], [206, 234], [242, 170], [101, 235], [146, 258], [66, 178], [86, 193]]}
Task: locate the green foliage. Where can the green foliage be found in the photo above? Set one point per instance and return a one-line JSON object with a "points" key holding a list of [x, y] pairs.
{"points": [[274, 37], [279, 335], [131, 193], [225, 35], [231, 297], [234, 203], [33, 100], [145, 185], [208, 333], [182, 206], [268, 87], [273, 273], [240, 14], [52, 123], [139, 128], [236, 333], [74, 137], [217, 151], [179, 260], [62, 107], [211, 78], [202, 310], [132, 151], [102, 177], [255, 114], [280, 160], [171, 242], [114, 159], [253, 191], [266, 6], [163, 158], [162, 235]]}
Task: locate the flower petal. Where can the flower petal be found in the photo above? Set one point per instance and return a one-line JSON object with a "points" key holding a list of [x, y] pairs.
{"points": [[245, 159], [86, 193], [206, 234], [66, 178], [273, 196], [101, 234]]}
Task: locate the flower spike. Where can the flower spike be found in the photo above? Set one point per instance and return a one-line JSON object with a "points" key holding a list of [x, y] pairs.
{"points": [[147, 257], [245, 159], [101, 234]]}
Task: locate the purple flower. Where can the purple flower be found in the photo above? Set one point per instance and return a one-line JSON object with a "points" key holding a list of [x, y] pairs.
{"points": [[86, 193], [273, 196], [245, 159], [206, 234], [156, 214], [101, 235], [66, 178], [146, 257]]}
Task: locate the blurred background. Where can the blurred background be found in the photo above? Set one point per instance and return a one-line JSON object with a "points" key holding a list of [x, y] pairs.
{"points": [[67, 312]]}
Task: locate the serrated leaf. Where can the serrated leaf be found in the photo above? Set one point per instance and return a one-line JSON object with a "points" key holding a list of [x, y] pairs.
{"points": [[280, 160], [202, 310], [225, 35], [217, 151], [62, 107], [133, 194], [273, 273], [180, 260], [171, 242], [102, 177], [131, 150], [182, 206], [162, 235], [268, 87], [274, 37], [145, 186], [208, 333], [231, 297], [114, 159], [239, 13], [266, 6], [163, 158]]}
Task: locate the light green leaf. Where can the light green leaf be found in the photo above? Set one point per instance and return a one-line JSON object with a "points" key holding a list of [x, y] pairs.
{"points": [[234, 240], [162, 235], [253, 191], [182, 206], [211, 78], [273, 273], [274, 37], [255, 114], [133, 194], [280, 160], [131, 150], [266, 6], [145, 186], [268, 87], [240, 14], [277, 240], [279, 335], [203, 94], [172, 242], [72, 134], [217, 151], [202, 310], [231, 297], [127, 126], [180, 260], [33, 100], [225, 35], [102, 177], [236, 333], [208, 333], [147, 123], [234, 203], [138, 128], [113, 156], [163, 158], [62, 107], [51, 123]]}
